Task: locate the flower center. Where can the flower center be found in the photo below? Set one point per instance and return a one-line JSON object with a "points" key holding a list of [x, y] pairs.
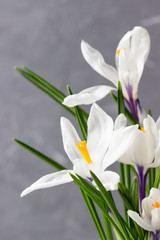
{"points": [[142, 129], [83, 149], [119, 50], [157, 205]]}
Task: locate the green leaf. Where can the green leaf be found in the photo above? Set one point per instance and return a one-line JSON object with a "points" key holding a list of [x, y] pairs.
{"points": [[101, 204], [90, 187], [129, 199], [108, 227], [40, 155], [125, 195], [152, 177], [134, 196], [134, 193], [124, 169], [80, 118], [87, 194], [127, 112], [59, 167], [157, 179], [46, 87], [94, 215], [105, 194], [121, 104]]}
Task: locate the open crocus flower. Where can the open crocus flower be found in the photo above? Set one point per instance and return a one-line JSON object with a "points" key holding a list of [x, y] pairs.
{"points": [[150, 213], [144, 152], [105, 144], [131, 54]]}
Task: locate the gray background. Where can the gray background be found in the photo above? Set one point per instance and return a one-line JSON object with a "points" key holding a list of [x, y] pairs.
{"points": [[46, 36]]}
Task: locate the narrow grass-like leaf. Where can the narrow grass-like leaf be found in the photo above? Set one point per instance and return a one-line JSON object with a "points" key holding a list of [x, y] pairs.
{"points": [[116, 214], [80, 118], [134, 199], [101, 204], [94, 215], [90, 187], [152, 176], [157, 179], [87, 194], [124, 169], [125, 195], [134, 193], [46, 87], [40, 155], [45, 83], [121, 104], [129, 199], [108, 227]]}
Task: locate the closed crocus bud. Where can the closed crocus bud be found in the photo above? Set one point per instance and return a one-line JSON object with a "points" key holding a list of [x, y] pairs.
{"points": [[150, 219]]}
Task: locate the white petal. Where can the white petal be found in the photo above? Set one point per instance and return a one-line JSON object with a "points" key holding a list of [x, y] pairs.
{"points": [[88, 96], [81, 167], [144, 150], [70, 139], [138, 43], [49, 180], [120, 122], [151, 129], [95, 59], [128, 75], [121, 141], [158, 123], [135, 216], [155, 218], [141, 114], [100, 130], [109, 180], [154, 196]]}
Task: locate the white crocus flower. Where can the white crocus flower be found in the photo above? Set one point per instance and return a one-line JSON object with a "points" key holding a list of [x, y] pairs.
{"points": [[105, 144], [131, 54], [150, 219], [144, 152]]}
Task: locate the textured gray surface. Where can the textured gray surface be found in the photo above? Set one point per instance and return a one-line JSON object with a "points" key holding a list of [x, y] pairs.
{"points": [[46, 36]]}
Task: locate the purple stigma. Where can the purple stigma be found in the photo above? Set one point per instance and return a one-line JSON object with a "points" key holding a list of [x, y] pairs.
{"points": [[133, 104]]}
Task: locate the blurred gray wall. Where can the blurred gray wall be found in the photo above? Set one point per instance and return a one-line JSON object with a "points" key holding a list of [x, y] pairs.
{"points": [[45, 36]]}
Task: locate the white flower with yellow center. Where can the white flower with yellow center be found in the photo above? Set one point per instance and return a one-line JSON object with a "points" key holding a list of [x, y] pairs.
{"points": [[150, 219], [131, 55], [105, 144], [144, 153]]}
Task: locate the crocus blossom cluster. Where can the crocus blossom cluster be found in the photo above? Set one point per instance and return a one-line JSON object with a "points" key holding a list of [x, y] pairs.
{"points": [[131, 55], [106, 142]]}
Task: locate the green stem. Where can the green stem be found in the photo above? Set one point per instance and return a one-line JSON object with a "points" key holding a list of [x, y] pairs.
{"points": [[151, 177], [127, 175], [94, 215], [157, 179], [110, 204], [108, 227]]}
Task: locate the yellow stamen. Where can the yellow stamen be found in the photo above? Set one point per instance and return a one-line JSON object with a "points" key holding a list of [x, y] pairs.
{"points": [[157, 205], [142, 129], [83, 149], [119, 50]]}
